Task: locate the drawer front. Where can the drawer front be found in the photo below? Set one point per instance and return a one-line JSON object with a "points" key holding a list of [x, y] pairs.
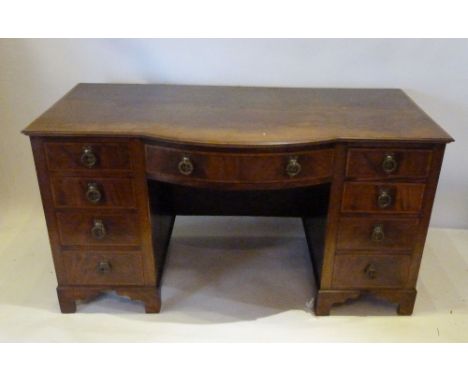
{"points": [[382, 197], [368, 164], [93, 193], [87, 156], [187, 167], [98, 229], [376, 233], [370, 271], [103, 268]]}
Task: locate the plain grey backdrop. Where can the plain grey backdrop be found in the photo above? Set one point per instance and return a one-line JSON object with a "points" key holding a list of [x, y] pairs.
{"points": [[35, 73]]}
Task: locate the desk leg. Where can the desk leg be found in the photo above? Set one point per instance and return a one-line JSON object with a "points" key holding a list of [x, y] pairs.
{"points": [[404, 298], [150, 296], [67, 303], [69, 295], [325, 299]]}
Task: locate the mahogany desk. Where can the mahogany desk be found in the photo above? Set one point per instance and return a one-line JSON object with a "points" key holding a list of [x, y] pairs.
{"points": [[117, 163]]}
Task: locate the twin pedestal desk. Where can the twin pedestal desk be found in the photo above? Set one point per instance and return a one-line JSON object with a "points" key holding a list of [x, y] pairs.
{"points": [[117, 162]]}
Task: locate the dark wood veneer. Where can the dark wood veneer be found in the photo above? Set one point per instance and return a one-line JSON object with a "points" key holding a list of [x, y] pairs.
{"points": [[351, 271], [355, 233], [75, 228], [239, 170], [366, 164], [70, 192], [66, 156], [126, 268], [362, 197]]}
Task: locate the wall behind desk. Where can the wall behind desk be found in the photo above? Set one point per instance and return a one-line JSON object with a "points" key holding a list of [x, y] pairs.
{"points": [[35, 73]]}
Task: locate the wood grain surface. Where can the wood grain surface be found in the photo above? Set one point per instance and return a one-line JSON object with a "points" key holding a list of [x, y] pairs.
{"points": [[238, 116]]}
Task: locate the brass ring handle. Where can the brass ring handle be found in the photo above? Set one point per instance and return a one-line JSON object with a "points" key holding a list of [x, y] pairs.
{"points": [[384, 199], [88, 158], [93, 194], [370, 271], [293, 168], [104, 267], [389, 164], [378, 234], [98, 230], [185, 166]]}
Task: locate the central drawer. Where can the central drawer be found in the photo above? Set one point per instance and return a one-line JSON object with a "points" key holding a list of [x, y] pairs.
{"points": [[192, 167]]}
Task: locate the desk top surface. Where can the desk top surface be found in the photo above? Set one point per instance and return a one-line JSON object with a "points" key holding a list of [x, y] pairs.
{"points": [[238, 116]]}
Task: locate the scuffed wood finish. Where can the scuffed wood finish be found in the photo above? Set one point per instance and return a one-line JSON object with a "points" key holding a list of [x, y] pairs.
{"points": [[240, 141], [238, 116]]}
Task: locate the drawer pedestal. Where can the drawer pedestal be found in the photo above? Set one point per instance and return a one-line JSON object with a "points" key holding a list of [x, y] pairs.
{"points": [[376, 232], [95, 199]]}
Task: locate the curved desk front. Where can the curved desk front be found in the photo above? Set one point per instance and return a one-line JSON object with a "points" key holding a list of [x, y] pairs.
{"points": [[117, 163]]}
